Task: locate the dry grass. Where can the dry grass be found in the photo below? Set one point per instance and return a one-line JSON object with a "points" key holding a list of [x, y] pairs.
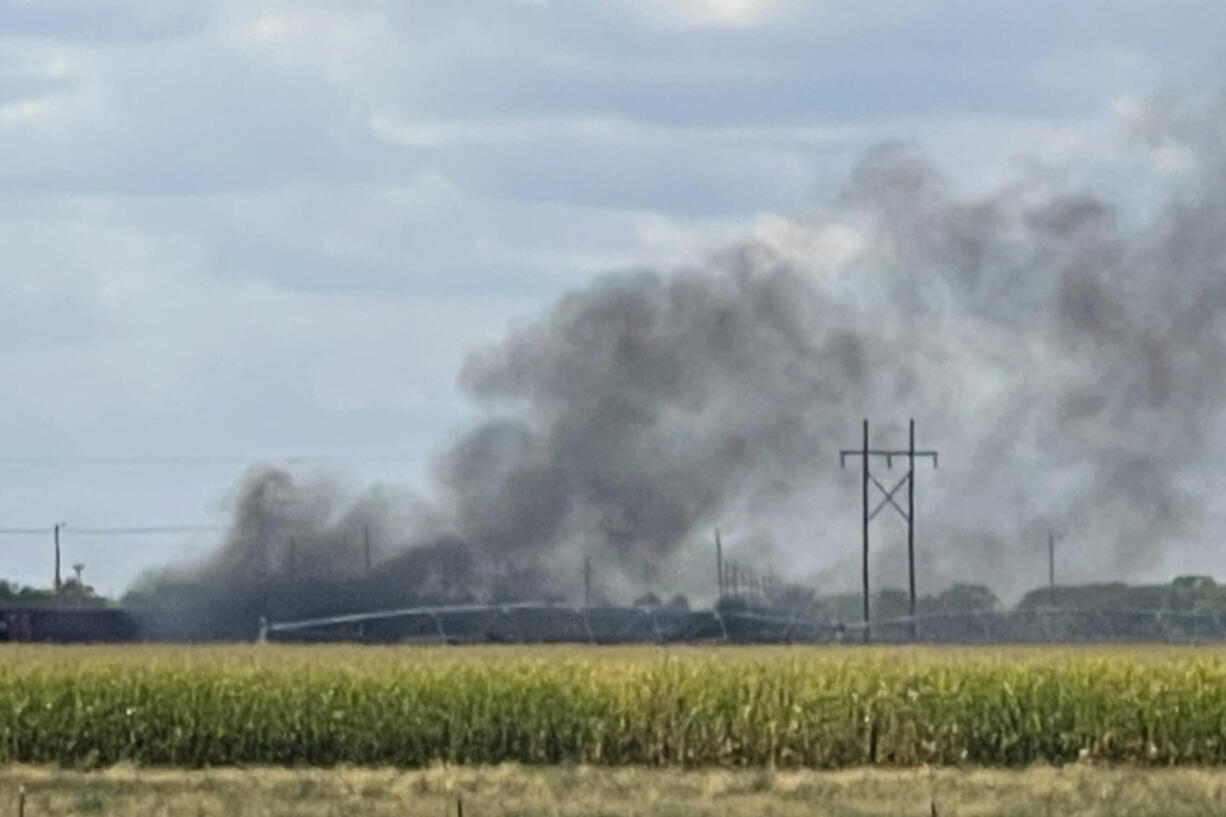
{"points": [[1073, 791]]}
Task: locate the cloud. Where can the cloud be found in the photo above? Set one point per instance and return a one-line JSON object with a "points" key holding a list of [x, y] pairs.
{"points": [[707, 14], [88, 21], [161, 344]]}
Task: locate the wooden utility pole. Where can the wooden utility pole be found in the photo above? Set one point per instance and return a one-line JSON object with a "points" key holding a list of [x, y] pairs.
{"points": [[866, 517], [865, 453], [1051, 568], [587, 580], [911, 526], [59, 582], [366, 547], [719, 564]]}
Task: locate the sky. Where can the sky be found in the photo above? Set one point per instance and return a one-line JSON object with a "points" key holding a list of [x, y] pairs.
{"points": [[244, 230]]}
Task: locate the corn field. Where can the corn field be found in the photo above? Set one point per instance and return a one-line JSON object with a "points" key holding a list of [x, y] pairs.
{"points": [[804, 707]]}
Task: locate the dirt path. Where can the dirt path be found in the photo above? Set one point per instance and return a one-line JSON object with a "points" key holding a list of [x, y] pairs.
{"points": [[517, 790]]}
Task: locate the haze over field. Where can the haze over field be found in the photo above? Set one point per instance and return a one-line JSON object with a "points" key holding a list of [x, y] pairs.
{"points": [[668, 263]]}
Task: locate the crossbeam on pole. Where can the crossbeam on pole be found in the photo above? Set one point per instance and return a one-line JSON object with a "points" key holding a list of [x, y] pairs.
{"points": [[889, 496], [867, 453]]}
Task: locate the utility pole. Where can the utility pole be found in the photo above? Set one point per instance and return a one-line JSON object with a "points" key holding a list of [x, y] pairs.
{"points": [[56, 535], [587, 580], [911, 524], [1051, 568], [719, 564], [866, 453], [864, 506], [366, 546]]}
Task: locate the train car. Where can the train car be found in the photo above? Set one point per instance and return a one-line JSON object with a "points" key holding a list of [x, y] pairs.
{"points": [[66, 625]]}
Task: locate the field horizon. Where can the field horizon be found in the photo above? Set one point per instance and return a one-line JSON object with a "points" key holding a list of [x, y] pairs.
{"points": [[513, 790]]}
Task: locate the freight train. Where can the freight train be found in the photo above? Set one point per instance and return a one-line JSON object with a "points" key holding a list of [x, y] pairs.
{"points": [[67, 624]]}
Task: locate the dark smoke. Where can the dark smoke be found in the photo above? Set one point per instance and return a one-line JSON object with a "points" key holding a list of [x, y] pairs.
{"points": [[643, 405], [1064, 349]]}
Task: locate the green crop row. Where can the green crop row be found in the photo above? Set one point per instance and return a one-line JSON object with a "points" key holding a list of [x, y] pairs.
{"points": [[731, 707]]}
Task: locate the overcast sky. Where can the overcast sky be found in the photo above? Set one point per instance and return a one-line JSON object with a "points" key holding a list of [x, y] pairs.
{"points": [[247, 229]]}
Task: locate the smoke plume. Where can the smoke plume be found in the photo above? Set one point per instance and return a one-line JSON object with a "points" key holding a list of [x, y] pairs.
{"points": [[1062, 347]]}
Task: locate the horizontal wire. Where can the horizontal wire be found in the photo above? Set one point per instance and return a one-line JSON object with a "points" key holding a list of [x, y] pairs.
{"points": [[151, 529], [202, 460], [133, 530]]}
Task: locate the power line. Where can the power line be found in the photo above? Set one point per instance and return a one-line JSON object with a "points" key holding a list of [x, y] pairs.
{"points": [[189, 459], [150, 529], [132, 530]]}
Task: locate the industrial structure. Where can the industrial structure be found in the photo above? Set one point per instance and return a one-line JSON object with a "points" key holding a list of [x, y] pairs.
{"points": [[546, 623], [540, 623]]}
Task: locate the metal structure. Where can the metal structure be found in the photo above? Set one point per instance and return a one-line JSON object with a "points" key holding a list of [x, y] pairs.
{"points": [[544, 623], [742, 581], [866, 453], [729, 623], [735, 579], [1063, 625]]}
